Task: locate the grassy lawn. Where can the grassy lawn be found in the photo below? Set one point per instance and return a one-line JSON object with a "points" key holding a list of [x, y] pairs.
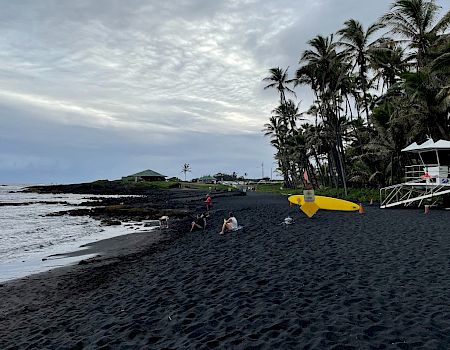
{"points": [[205, 187], [172, 184], [353, 194]]}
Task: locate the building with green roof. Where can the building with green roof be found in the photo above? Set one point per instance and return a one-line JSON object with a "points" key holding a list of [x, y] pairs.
{"points": [[146, 175]]}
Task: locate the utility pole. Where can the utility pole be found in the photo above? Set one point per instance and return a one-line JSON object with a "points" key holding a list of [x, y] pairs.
{"points": [[262, 170]]}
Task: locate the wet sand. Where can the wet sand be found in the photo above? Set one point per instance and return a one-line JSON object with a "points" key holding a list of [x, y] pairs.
{"points": [[119, 245], [337, 281]]}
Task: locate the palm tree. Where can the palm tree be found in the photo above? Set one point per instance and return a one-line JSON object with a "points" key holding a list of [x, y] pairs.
{"points": [[393, 133], [415, 22], [427, 92], [414, 101], [388, 61], [277, 131], [440, 69], [186, 169], [278, 79], [439, 80], [317, 62], [288, 114], [357, 43], [327, 71], [314, 140]]}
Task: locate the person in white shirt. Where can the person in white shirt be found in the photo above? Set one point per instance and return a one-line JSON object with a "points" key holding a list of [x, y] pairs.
{"points": [[229, 224]]}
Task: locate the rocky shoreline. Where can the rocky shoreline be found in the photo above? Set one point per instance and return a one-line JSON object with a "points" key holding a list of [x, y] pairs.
{"points": [[133, 203]]}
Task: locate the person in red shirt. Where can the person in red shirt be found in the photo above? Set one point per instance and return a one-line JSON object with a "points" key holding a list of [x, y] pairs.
{"points": [[208, 202]]}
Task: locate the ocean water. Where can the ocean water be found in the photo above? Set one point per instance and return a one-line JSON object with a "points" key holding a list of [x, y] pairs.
{"points": [[28, 235]]}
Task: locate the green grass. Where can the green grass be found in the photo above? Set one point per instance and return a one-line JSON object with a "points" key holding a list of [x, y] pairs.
{"points": [[150, 185], [172, 184], [353, 194], [201, 186], [275, 188]]}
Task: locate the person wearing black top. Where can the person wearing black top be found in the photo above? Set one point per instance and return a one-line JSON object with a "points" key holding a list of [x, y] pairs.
{"points": [[199, 223]]}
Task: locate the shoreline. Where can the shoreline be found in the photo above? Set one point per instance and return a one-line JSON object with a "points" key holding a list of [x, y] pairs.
{"points": [[113, 245], [134, 214]]}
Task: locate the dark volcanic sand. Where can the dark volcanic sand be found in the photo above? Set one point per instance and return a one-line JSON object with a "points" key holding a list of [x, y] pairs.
{"points": [[337, 281]]}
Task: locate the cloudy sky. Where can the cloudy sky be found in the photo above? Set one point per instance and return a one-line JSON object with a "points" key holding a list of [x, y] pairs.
{"points": [[99, 89]]}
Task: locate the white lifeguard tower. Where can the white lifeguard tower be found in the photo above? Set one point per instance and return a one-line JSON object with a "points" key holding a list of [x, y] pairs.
{"points": [[427, 180]]}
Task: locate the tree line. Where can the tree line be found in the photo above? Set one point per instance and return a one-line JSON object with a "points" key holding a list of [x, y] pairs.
{"points": [[376, 90]]}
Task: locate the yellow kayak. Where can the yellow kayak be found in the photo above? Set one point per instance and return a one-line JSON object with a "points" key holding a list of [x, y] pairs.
{"points": [[326, 203]]}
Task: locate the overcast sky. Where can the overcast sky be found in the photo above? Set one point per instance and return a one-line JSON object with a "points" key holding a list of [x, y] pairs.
{"points": [[99, 89]]}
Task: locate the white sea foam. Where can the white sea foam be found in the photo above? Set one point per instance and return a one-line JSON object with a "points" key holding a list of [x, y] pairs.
{"points": [[28, 234]]}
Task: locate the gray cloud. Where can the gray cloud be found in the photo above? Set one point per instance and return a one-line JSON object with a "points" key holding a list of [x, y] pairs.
{"points": [[102, 88]]}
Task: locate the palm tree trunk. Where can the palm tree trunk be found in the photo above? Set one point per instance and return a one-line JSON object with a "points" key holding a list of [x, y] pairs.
{"points": [[364, 89], [284, 171], [312, 174], [340, 150], [319, 168], [342, 171], [331, 169]]}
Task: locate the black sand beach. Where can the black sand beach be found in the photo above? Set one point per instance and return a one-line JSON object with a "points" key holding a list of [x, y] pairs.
{"points": [[337, 281]]}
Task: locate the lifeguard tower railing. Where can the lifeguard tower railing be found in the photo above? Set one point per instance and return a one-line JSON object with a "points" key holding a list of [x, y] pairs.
{"points": [[415, 189], [424, 182], [414, 172]]}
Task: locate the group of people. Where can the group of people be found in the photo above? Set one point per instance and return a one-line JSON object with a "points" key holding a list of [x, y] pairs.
{"points": [[229, 224]]}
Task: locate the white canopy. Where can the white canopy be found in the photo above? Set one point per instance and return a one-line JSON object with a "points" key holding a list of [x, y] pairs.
{"points": [[429, 145]]}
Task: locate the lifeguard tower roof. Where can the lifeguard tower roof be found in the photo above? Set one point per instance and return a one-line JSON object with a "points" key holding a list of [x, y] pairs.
{"points": [[428, 145]]}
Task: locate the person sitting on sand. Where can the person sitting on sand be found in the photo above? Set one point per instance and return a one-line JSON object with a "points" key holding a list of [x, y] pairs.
{"points": [[208, 202], [199, 223], [229, 224]]}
